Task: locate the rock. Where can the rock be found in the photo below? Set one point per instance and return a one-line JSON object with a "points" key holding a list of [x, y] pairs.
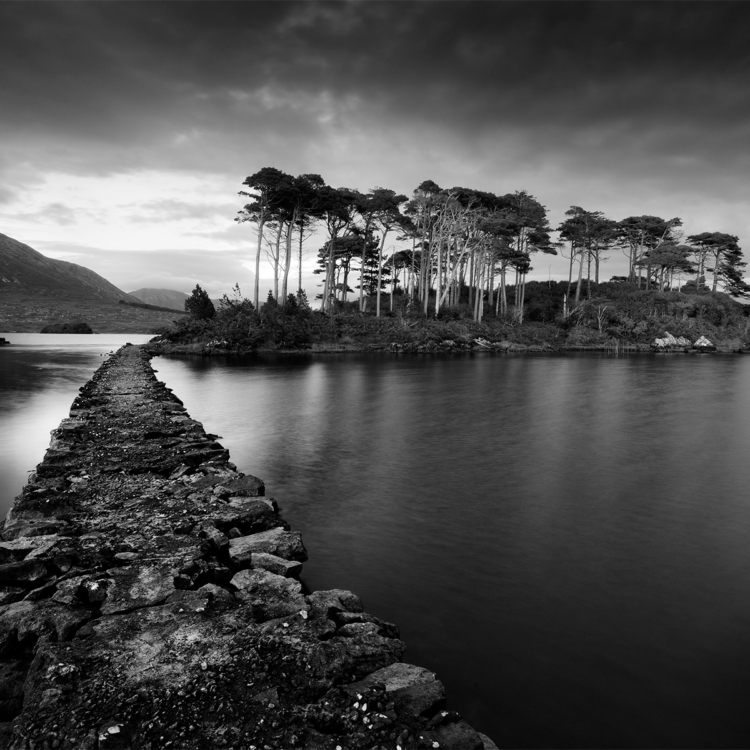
{"points": [[10, 594], [389, 630], [115, 735], [28, 573], [217, 596], [26, 547], [23, 620], [327, 603], [189, 601], [412, 689], [453, 733], [31, 525], [488, 743], [269, 595], [354, 658], [132, 588], [246, 514], [703, 344], [218, 541], [247, 486], [286, 544], [275, 564]]}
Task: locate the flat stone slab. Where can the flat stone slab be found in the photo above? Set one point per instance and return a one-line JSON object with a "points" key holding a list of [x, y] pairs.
{"points": [[278, 541]]}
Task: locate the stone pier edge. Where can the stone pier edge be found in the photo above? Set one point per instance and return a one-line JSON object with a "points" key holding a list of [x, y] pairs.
{"points": [[150, 597]]}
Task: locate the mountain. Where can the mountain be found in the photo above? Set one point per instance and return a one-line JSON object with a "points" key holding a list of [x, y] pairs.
{"points": [[36, 291], [161, 298], [24, 270]]}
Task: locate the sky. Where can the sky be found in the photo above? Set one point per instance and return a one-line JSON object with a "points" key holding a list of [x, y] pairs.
{"points": [[128, 126]]}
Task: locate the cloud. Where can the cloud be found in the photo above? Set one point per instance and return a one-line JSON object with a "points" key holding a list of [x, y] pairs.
{"points": [[168, 268], [169, 210], [622, 107]]}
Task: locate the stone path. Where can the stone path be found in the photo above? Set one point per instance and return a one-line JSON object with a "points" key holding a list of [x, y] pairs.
{"points": [[150, 598]]}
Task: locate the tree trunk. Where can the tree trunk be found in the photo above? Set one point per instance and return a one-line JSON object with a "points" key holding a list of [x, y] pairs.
{"points": [[380, 271], [570, 268], [287, 264], [276, 264], [438, 286], [717, 255], [580, 278], [261, 224], [471, 278], [301, 230], [503, 292]]}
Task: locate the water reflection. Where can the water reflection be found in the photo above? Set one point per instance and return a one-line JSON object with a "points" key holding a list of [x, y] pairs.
{"points": [[563, 539]]}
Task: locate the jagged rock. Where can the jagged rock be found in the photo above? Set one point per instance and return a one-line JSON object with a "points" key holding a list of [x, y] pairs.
{"points": [[326, 603], [275, 564], [26, 619], [278, 541], [345, 619], [246, 514], [354, 658], [28, 573], [269, 595], [450, 732], [26, 547], [412, 689], [247, 486], [31, 525], [703, 344]]}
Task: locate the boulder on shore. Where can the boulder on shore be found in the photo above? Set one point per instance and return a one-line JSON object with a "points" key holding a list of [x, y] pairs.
{"points": [[80, 327], [704, 345]]}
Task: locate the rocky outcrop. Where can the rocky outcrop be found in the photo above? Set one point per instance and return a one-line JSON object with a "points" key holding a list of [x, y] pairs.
{"points": [[150, 598], [670, 343]]}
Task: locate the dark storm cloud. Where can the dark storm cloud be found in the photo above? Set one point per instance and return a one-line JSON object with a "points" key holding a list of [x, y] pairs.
{"points": [[120, 85]]}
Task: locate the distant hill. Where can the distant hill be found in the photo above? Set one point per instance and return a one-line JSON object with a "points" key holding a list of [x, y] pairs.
{"points": [[36, 291], [24, 270], [168, 298]]}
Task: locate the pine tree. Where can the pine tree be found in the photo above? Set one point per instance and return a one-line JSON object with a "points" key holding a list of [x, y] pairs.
{"points": [[199, 304]]}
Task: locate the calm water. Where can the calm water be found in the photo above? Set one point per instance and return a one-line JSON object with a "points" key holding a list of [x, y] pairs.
{"points": [[565, 540]]}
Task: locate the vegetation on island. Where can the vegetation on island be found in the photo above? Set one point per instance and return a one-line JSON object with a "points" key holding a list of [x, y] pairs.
{"points": [[459, 274]]}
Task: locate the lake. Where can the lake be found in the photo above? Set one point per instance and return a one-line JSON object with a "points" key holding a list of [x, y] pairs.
{"points": [[562, 538]]}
